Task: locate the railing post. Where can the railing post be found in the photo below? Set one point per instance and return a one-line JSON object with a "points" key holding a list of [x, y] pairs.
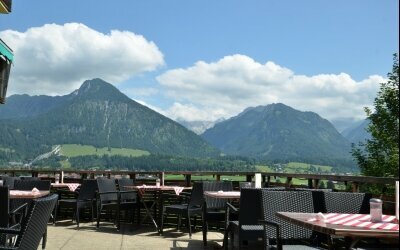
{"points": [[162, 177], [35, 174], [248, 178], [188, 180], [288, 181], [268, 181], [310, 183], [91, 176], [316, 184], [133, 177], [218, 177], [355, 188]]}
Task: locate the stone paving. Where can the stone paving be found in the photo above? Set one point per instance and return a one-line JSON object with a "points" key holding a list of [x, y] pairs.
{"points": [[66, 236]]}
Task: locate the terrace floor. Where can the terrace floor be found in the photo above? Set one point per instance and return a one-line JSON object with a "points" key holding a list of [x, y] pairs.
{"points": [[66, 236]]}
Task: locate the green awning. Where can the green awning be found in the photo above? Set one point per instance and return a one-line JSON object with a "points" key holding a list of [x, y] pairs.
{"points": [[6, 51]]}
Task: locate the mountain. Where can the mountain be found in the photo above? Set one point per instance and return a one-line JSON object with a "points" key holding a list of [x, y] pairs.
{"points": [[358, 132], [24, 106], [96, 114], [199, 126], [279, 133]]}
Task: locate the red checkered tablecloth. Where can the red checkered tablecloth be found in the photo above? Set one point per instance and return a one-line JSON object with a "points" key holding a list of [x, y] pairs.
{"points": [[71, 186], [361, 220]]}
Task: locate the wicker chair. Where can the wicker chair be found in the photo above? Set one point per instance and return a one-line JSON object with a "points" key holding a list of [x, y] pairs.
{"points": [[109, 199], [7, 218], [33, 226], [279, 229], [85, 198], [247, 228], [9, 181], [344, 202], [29, 184], [213, 208], [191, 208]]}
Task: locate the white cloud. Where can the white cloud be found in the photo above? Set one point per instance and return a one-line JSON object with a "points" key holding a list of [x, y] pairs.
{"points": [[56, 59], [226, 87]]}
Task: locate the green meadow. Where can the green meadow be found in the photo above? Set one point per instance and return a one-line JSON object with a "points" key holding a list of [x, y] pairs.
{"points": [[73, 150]]}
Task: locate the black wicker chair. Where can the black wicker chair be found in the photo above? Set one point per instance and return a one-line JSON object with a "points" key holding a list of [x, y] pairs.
{"points": [[214, 209], [85, 198], [278, 229], [7, 218], [34, 224], [29, 184], [247, 228], [109, 199], [9, 181], [192, 208], [129, 196], [345, 202]]}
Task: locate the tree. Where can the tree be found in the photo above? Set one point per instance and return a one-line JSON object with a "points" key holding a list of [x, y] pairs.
{"points": [[379, 156]]}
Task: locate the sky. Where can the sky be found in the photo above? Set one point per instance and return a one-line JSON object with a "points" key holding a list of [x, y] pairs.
{"points": [[207, 60]]}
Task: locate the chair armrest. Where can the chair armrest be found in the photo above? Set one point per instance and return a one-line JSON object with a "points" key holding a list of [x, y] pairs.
{"points": [[278, 232], [24, 206]]}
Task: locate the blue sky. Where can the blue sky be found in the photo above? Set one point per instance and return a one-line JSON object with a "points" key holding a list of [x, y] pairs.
{"points": [[203, 60]]}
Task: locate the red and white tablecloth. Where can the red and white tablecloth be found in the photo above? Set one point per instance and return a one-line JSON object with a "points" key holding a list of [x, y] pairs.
{"points": [[71, 186], [142, 189], [361, 220]]}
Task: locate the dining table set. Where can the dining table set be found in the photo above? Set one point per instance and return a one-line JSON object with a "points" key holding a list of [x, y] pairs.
{"points": [[331, 223]]}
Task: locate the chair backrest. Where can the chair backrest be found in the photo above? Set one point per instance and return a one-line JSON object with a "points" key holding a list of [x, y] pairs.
{"points": [[4, 206], [286, 201], [215, 203], [250, 206], [197, 195], [122, 183], [318, 198], [345, 202], [30, 184], [87, 190], [9, 181], [34, 224], [107, 185]]}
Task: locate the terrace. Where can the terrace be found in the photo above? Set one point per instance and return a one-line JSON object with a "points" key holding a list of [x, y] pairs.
{"points": [[65, 235]]}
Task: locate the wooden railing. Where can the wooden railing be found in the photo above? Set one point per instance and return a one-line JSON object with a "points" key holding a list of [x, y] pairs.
{"points": [[313, 180]]}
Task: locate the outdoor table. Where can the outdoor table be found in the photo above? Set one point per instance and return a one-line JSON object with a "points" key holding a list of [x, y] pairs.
{"points": [[71, 186], [157, 189], [20, 194], [223, 194], [345, 225]]}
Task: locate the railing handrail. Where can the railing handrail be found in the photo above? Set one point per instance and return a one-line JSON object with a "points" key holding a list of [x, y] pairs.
{"points": [[332, 177]]}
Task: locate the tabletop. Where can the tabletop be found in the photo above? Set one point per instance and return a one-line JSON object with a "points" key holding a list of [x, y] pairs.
{"points": [[20, 194], [355, 225], [223, 194]]}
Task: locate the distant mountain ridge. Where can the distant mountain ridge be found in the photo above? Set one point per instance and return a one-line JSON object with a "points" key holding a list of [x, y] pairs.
{"points": [[279, 133], [357, 133], [96, 114]]}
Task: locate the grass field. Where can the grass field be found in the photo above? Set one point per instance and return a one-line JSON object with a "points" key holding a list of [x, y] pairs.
{"points": [[73, 150], [291, 167]]}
